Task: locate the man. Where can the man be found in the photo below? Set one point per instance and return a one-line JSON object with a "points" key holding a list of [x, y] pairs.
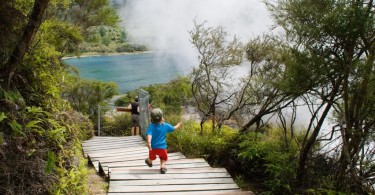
{"points": [[134, 107]]}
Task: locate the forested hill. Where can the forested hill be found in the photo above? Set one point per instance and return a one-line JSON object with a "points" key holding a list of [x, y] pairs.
{"points": [[321, 67]]}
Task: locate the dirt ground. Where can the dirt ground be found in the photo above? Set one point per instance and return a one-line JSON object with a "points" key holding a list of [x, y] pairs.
{"points": [[95, 184]]}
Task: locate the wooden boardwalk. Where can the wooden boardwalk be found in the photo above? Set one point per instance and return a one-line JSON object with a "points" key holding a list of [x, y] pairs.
{"points": [[121, 161]]}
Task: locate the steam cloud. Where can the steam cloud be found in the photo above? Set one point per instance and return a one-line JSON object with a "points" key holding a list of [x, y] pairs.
{"points": [[165, 24]]}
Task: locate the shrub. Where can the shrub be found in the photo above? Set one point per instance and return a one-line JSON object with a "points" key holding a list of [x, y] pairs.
{"points": [[267, 158], [117, 125]]}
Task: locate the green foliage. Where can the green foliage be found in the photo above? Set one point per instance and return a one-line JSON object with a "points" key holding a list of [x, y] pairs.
{"points": [[90, 13], [209, 80], [170, 96], [214, 146], [322, 191], [40, 133], [74, 179], [50, 162], [126, 47], [97, 34], [61, 35], [188, 141], [97, 46], [331, 59], [86, 95], [123, 101], [117, 125], [265, 157]]}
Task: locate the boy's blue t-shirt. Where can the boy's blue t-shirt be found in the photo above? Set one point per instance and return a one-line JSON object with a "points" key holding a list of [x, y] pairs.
{"points": [[159, 131]]}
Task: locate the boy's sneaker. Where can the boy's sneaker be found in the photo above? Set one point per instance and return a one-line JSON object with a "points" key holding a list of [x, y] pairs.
{"points": [[163, 170], [148, 163]]}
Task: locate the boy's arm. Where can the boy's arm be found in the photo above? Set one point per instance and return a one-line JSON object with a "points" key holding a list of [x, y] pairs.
{"points": [[149, 142], [179, 125]]}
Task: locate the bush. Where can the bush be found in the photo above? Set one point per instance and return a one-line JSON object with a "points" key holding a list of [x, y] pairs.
{"points": [[214, 147], [268, 159], [117, 125]]}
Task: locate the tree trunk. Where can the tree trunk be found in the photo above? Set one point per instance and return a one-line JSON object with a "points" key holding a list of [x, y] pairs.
{"points": [[307, 147], [254, 120], [311, 141], [23, 44]]}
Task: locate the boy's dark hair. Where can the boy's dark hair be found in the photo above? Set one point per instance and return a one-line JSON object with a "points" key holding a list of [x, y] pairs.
{"points": [[156, 115]]}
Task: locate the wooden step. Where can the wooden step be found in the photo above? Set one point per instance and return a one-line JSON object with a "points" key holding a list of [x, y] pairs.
{"points": [[121, 161], [174, 188]]}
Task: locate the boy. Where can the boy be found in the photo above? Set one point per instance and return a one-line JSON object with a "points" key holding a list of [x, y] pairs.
{"points": [[156, 135]]}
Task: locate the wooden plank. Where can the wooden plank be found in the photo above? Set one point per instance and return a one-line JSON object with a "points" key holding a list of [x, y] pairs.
{"points": [[112, 139], [170, 182], [120, 151], [123, 158], [121, 176], [179, 171], [121, 155], [98, 145], [117, 152], [140, 153], [117, 146], [156, 162], [169, 188], [176, 166], [98, 141], [141, 162], [129, 163], [138, 156], [207, 192]]}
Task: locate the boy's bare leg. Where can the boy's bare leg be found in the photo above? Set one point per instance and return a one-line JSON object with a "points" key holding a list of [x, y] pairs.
{"points": [[132, 131], [162, 163], [137, 130], [148, 161]]}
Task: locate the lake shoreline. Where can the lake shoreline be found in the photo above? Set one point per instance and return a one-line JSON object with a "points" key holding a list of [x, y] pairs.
{"points": [[92, 54]]}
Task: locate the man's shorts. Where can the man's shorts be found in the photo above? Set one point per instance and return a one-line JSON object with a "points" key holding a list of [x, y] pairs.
{"points": [[162, 153], [135, 120]]}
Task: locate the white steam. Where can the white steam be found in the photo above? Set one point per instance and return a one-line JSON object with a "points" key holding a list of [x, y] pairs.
{"points": [[165, 24]]}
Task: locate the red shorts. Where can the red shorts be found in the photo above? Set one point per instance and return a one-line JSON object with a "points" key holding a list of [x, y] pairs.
{"points": [[162, 153]]}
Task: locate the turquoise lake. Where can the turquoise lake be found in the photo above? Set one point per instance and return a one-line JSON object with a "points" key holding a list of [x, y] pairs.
{"points": [[130, 71]]}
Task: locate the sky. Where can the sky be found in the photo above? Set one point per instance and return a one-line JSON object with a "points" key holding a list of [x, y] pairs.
{"points": [[165, 24]]}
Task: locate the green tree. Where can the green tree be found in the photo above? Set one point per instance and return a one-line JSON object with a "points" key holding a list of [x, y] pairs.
{"points": [[86, 95], [40, 133], [170, 96], [87, 13], [332, 43], [26, 35], [211, 79], [264, 94]]}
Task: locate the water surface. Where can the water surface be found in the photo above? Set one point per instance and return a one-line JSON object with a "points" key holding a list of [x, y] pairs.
{"points": [[130, 71]]}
